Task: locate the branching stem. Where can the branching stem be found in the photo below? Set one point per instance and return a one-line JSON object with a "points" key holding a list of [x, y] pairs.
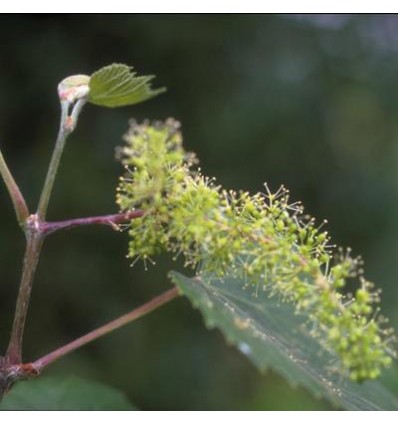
{"points": [[36, 229], [33, 233], [12, 372]]}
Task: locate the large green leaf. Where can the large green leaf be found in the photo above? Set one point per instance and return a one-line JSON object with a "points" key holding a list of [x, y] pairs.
{"points": [[70, 393], [117, 85], [273, 336]]}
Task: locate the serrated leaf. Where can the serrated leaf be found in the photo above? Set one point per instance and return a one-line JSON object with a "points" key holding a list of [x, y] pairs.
{"points": [[273, 336], [70, 393], [117, 85]]}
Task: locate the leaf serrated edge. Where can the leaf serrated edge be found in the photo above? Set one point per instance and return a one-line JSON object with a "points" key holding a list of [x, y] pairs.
{"points": [[294, 384], [125, 72]]}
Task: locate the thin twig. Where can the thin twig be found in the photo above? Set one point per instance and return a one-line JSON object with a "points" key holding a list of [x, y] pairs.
{"points": [[17, 198], [160, 300], [108, 220]]}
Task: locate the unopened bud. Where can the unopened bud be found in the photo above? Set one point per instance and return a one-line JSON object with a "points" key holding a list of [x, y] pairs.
{"points": [[74, 88]]}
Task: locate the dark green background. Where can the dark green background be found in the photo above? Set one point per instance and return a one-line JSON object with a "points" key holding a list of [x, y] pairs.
{"points": [[307, 101]]}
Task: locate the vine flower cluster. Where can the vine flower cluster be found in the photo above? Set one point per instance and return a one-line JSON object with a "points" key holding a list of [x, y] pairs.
{"points": [[264, 239]]}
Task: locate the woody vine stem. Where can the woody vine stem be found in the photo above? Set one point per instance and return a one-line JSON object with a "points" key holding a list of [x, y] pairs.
{"points": [[36, 228]]}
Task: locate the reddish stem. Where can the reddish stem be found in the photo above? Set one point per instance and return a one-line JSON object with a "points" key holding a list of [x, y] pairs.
{"points": [[17, 198], [108, 220], [33, 248], [160, 300]]}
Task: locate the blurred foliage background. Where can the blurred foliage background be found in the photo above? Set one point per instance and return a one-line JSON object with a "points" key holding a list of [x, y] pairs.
{"points": [[309, 101]]}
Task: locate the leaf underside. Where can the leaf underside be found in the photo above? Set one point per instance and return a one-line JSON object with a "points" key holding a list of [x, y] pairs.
{"points": [[70, 393], [272, 336], [117, 85]]}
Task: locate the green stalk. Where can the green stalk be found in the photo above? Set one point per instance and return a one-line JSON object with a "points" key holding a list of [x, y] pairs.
{"points": [[63, 133]]}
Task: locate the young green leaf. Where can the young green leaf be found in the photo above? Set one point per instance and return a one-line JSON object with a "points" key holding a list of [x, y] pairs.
{"points": [[117, 85], [272, 335], [70, 393]]}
